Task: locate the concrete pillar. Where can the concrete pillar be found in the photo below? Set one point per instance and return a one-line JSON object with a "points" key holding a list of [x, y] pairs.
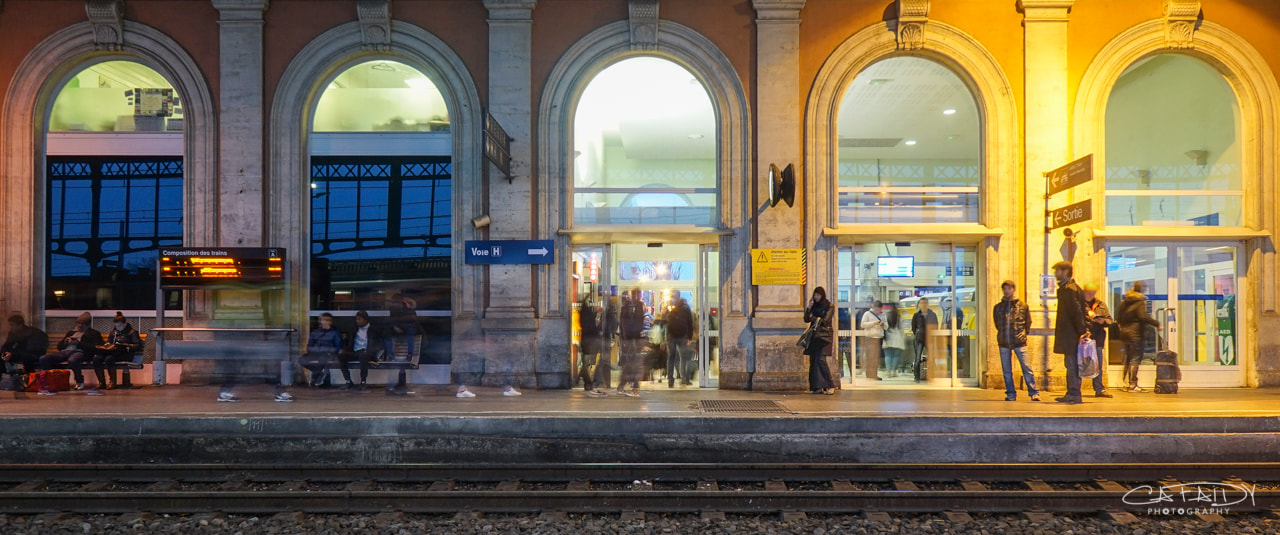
{"points": [[1046, 139], [240, 123], [778, 318], [509, 321]]}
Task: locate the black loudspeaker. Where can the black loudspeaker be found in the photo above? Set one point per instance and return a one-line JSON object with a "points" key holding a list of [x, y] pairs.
{"points": [[782, 185]]}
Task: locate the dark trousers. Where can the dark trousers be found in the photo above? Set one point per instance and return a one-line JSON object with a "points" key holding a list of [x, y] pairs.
{"points": [[1134, 350], [819, 372], [1099, 383], [102, 361], [630, 361], [589, 352], [1071, 361], [410, 330], [677, 361], [19, 365], [73, 358], [317, 363], [364, 356]]}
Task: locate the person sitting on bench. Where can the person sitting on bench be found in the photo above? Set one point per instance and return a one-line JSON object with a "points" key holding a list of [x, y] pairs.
{"points": [[364, 345], [323, 347], [22, 348], [123, 341], [73, 350]]}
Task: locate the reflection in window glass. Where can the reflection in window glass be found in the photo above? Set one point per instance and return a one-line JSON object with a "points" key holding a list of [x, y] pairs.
{"points": [[106, 218], [909, 145], [117, 96], [381, 96], [645, 147], [1173, 145]]}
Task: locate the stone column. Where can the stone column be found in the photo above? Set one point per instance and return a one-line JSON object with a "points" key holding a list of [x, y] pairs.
{"points": [[1046, 138], [240, 122], [509, 321], [777, 321]]}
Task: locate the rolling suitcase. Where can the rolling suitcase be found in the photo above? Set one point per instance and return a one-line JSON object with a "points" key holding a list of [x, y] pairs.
{"points": [[1168, 373]]}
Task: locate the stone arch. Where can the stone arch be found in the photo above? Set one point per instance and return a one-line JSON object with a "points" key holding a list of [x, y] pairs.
{"points": [[1258, 96], [25, 116], [296, 95], [565, 84]]}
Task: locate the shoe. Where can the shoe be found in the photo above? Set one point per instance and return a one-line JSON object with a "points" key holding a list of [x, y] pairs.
{"points": [[47, 393], [284, 397], [829, 392], [511, 392], [630, 393], [1137, 389], [78, 387], [349, 386], [596, 394], [362, 389], [227, 397], [465, 394], [95, 392], [1069, 401], [1011, 398], [1103, 394], [1035, 397], [878, 378]]}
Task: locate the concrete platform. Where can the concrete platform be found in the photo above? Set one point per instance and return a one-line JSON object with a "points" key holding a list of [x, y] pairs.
{"points": [[186, 424]]}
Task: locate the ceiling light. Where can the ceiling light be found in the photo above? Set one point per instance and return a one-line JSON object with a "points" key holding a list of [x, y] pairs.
{"points": [[695, 136], [911, 142], [949, 111], [418, 83], [879, 81]]}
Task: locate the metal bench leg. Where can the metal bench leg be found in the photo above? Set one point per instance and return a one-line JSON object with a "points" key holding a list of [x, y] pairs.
{"points": [[125, 380], [403, 381]]}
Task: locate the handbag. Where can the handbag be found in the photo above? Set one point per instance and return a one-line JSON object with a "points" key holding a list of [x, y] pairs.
{"points": [[807, 337], [1087, 359]]}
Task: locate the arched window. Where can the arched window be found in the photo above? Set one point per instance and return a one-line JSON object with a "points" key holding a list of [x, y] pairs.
{"points": [[382, 200], [114, 168], [645, 147], [1173, 148], [910, 145]]}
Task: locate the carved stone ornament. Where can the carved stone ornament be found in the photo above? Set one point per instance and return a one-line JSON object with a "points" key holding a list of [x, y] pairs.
{"points": [[375, 23], [909, 28], [644, 24], [107, 19], [1180, 20]]}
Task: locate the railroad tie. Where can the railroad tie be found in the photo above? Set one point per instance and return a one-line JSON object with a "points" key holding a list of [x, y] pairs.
{"points": [[579, 485], [711, 516], [793, 516], [1038, 485], [1213, 518], [167, 485], [902, 484], [468, 516], [30, 486], [1036, 516], [293, 486], [709, 485], [775, 485], [1119, 517], [633, 516], [137, 517], [96, 486], [233, 485], [972, 486], [54, 518], [508, 486], [363, 485], [290, 517], [842, 485], [442, 486], [958, 517], [553, 516], [878, 517], [385, 519], [1109, 485]]}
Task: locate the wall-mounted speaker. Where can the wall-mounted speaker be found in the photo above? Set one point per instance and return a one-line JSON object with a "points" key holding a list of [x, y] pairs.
{"points": [[782, 185]]}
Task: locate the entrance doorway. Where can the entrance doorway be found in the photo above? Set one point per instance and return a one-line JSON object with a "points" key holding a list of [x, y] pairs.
{"points": [[936, 283], [604, 275], [1191, 291]]}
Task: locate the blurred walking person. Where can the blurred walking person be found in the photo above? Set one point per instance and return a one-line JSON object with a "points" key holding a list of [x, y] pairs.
{"points": [[589, 346], [631, 325], [819, 315], [1131, 319]]}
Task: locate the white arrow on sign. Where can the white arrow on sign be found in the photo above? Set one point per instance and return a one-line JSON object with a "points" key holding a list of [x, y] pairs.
{"points": [[540, 252]]}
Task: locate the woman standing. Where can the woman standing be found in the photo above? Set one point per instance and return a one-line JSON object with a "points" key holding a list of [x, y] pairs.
{"points": [[819, 315], [895, 340]]}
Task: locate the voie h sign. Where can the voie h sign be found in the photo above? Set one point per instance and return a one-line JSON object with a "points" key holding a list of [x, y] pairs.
{"points": [[1070, 175], [481, 252]]}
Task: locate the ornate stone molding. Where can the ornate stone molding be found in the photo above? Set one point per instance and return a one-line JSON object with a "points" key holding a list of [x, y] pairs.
{"points": [[1181, 18], [913, 15], [643, 16], [1045, 10], [779, 10], [375, 23], [246, 11], [106, 17], [515, 10]]}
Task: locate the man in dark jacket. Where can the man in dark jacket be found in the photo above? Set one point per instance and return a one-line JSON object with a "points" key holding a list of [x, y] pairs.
{"points": [[323, 346], [22, 349], [76, 347], [1131, 319], [631, 325], [122, 343], [1099, 317], [364, 345], [922, 325], [1013, 325], [1071, 328], [679, 332]]}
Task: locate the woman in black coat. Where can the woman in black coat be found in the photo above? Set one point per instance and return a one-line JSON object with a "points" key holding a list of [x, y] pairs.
{"points": [[820, 314]]}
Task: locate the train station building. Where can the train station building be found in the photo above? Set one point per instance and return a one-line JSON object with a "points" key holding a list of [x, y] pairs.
{"points": [[653, 146]]}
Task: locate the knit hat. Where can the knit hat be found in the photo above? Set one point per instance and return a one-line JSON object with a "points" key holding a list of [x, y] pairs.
{"points": [[362, 314], [119, 317], [84, 318]]}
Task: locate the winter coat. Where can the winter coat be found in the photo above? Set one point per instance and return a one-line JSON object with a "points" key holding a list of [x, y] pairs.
{"points": [[1100, 322], [90, 339], [921, 322], [26, 341], [1132, 315], [680, 322], [1013, 323], [125, 341], [631, 319], [1071, 324], [824, 311], [324, 341]]}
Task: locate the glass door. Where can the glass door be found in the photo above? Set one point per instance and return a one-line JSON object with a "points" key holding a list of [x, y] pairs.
{"points": [[592, 275], [709, 317]]}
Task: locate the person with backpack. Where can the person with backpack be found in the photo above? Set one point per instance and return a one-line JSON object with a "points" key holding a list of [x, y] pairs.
{"points": [[1013, 326], [872, 341], [1131, 319]]}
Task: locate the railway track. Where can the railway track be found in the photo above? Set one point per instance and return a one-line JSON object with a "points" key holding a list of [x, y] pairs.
{"points": [[657, 488]]}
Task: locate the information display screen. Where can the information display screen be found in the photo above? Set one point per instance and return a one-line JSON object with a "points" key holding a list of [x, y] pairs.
{"points": [[896, 266], [220, 266]]}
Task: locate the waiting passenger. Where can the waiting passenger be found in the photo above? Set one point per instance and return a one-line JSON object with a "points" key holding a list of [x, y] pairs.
{"points": [[22, 350], [77, 346], [122, 342], [630, 358], [1131, 318], [323, 347], [895, 341], [1013, 327], [1071, 329], [590, 346], [819, 315], [923, 324], [680, 329], [1099, 317], [404, 321], [872, 341], [364, 345]]}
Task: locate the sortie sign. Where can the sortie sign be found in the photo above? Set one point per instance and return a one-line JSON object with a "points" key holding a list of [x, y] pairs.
{"points": [[1071, 214], [1071, 175]]}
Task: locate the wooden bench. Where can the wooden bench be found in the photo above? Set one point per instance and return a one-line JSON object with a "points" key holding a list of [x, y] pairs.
{"points": [[124, 366]]}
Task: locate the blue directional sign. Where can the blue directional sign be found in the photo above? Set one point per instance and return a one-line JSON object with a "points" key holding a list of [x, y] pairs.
{"points": [[510, 252]]}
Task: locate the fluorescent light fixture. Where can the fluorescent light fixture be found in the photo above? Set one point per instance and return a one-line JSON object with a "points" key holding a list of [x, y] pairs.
{"points": [[949, 111], [911, 142], [695, 136], [419, 83]]}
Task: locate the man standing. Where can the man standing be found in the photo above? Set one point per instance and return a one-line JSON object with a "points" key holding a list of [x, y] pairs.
{"points": [[1130, 319], [1013, 326], [679, 331], [872, 341], [922, 325], [1070, 329], [1099, 317], [631, 324]]}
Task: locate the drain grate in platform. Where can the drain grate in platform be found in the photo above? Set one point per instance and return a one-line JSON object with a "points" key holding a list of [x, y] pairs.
{"points": [[742, 406]]}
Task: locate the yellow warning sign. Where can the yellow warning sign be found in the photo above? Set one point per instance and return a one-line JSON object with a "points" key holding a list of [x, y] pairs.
{"points": [[778, 266]]}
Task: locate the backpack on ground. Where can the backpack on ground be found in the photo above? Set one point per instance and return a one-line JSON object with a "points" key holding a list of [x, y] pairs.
{"points": [[54, 380]]}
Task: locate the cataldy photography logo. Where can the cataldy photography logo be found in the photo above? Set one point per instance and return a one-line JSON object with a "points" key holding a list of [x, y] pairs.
{"points": [[1204, 497]]}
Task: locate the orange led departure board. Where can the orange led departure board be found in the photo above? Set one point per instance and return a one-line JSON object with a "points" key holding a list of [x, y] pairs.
{"points": [[189, 267]]}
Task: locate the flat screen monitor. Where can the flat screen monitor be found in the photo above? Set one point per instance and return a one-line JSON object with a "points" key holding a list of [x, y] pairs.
{"points": [[896, 266]]}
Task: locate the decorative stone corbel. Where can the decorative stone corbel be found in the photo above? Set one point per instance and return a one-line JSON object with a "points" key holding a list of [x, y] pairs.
{"points": [[1180, 20], [375, 23], [909, 28], [107, 19], [644, 24]]}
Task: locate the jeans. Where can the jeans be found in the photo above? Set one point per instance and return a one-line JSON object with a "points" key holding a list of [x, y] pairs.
{"points": [[74, 358], [410, 330], [317, 364], [1006, 365], [1071, 361], [1099, 385], [892, 356], [364, 356], [677, 361], [1134, 350]]}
